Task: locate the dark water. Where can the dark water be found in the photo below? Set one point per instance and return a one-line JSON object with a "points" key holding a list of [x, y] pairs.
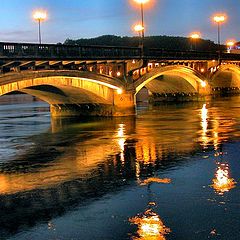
{"points": [[170, 173]]}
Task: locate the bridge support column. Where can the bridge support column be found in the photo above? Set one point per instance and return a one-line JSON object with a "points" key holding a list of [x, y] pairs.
{"points": [[78, 110], [123, 105]]}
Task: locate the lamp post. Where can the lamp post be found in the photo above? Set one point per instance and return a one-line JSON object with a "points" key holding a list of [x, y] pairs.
{"points": [[142, 2], [194, 37], [219, 19], [138, 28], [230, 44], [39, 16]]}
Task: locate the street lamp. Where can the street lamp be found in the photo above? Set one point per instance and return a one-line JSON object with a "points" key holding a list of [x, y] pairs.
{"points": [[138, 28], [39, 16], [230, 44], [219, 19], [142, 2], [194, 37]]}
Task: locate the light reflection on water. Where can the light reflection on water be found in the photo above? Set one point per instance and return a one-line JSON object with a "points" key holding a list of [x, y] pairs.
{"points": [[150, 226], [222, 182], [74, 179]]}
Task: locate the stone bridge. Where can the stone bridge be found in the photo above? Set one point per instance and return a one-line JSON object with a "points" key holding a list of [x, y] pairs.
{"points": [[104, 81]]}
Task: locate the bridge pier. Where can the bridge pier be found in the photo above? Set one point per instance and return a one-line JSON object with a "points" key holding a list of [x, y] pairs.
{"points": [[123, 105], [78, 110]]}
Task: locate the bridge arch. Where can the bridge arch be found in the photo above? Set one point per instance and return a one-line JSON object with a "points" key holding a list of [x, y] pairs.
{"points": [[172, 79], [226, 76], [80, 92], [93, 84]]}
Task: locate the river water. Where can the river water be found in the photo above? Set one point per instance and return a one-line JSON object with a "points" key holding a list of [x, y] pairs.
{"points": [[171, 172]]}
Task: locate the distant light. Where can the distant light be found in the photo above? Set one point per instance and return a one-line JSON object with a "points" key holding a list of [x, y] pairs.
{"points": [[203, 84], [202, 70], [40, 15], [230, 43], [118, 74], [119, 91], [150, 65], [195, 35]]}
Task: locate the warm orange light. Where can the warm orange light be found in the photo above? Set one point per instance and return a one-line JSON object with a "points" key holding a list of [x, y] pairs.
{"points": [[223, 183], [195, 35], [156, 180], [203, 83], [150, 226], [141, 1], [40, 15], [230, 43], [219, 18], [118, 74], [119, 91], [138, 28]]}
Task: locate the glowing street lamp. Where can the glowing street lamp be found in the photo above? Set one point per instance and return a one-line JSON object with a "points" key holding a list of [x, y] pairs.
{"points": [[39, 16], [219, 19], [230, 44], [139, 28], [195, 36], [142, 2]]}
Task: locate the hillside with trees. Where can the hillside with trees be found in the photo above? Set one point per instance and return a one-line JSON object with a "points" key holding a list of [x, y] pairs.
{"points": [[162, 42]]}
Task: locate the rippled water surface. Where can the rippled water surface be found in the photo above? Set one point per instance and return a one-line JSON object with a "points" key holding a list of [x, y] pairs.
{"points": [[171, 172]]}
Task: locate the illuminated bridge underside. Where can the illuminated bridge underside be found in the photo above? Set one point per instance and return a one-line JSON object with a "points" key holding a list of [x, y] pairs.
{"points": [[227, 76], [69, 92], [172, 79], [170, 84]]}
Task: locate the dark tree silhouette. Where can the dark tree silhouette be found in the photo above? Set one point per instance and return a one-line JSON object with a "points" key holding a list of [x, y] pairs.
{"points": [[163, 42]]}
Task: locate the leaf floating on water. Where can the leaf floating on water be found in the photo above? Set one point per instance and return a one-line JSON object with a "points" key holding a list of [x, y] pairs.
{"points": [[155, 180]]}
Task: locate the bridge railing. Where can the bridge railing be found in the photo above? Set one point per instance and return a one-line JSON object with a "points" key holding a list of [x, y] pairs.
{"points": [[176, 54], [74, 52], [22, 50], [189, 55]]}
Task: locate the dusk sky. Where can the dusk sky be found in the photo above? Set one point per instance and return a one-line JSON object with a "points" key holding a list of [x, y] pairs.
{"points": [[90, 18]]}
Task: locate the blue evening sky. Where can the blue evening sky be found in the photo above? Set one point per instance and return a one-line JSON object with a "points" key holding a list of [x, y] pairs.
{"points": [[90, 18]]}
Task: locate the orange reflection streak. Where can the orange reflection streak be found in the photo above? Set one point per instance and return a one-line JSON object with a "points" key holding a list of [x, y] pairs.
{"points": [[204, 124], [121, 140], [223, 183], [146, 151], [155, 180], [150, 226]]}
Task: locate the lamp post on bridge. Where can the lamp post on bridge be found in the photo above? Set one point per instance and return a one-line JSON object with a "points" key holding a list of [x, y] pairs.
{"points": [[139, 28], [194, 37], [230, 44], [142, 2], [219, 19], [39, 16]]}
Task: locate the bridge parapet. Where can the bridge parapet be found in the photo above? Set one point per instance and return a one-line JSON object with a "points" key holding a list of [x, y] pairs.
{"points": [[20, 51]]}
